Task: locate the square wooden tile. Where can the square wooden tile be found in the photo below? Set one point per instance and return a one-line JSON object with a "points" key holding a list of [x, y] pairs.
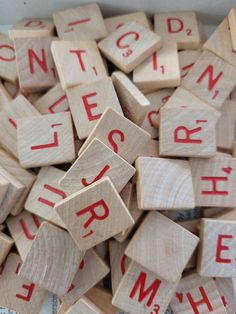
{"points": [[211, 79], [77, 62], [94, 214], [155, 189], [155, 234], [180, 27], [81, 23], [50, 140], [225, 287], [7, 59], [214, 180], [88, 102], [87, 169], [44, 264], [129, 45]]}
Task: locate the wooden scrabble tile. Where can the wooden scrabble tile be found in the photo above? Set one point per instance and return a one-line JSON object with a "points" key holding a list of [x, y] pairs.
{"points": [[155, 176], [102, 298], [44, 264], [45, 193], [120, 134], [81, 23], [211, 79], [5, 246], [118, 261], [4, 186], [84, 305], [187, 126], [32, 27], [133, 102], [19, 108], [129, 45], [129, 196], [12, 195], [232, 26], [7, 59], [24, 176], [87, 169], [213, 181], [226, 289], [114, 22], [35, 64], [151, 149], [92, 270], [166, 264], [227, 214], [53, 101], [187, 59], [161, 70], [225, 49], [14, 91], [142, 292], [23, 229], [179, 27], [88, 102], [226, 125], [50, 140], [5, 97], [77, 62], [197, 294], [151, 120], [16, 293], [79, 212], [216, 255]]}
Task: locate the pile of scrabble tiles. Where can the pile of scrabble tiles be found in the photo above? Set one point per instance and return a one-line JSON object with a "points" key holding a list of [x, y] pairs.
{"points": [[117, 164]]}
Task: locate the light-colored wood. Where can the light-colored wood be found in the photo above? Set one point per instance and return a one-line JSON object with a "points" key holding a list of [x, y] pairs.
{"points": [[88, 102], [228, 214], [85, 306], [114, 22], [196, 294], [128, 52], [53, 101], [102, 298], [214, 180], [18, 108], [92, 270], [24, 176], [211, 79], [226, 125], [167, 264], [212, 211], [12, 195], [44, 264], [226, 289], [129, 196], [5, 97], [155, 190], [133, 102], [120, 134], [23, 229], [225, 49], [7, 59], [161, 70], [32, 27], [45, 193], [216, 255], [187, 126], [4, 186], [151, 120], [187, 59], [77, 62], [87, 169], [16, 293], [234, 149], [232, 26], [35, 64], [179, 27], [118, 261], [6, 244], [87, 226], [50, 140], [142, 292], [14, 91], [80, 23]]}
